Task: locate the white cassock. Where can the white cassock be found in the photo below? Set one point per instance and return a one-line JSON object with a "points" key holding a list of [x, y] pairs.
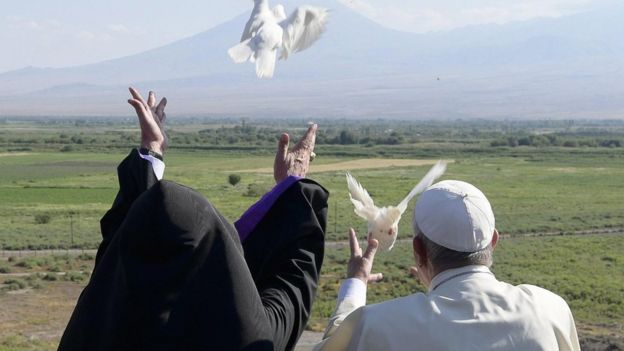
{"points": [[466, 309]]}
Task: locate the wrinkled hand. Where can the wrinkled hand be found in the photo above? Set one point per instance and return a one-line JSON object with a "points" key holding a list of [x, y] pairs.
{"points": [[360, 265], [151, 119], [295, 162]]}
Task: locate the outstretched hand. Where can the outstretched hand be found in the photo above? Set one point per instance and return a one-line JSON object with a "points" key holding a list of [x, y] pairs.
{"points": [[360, 265], [295, 162], [151, 120]]}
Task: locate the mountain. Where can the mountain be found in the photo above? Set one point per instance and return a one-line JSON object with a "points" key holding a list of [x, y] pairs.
{"points": [[568, 67]]}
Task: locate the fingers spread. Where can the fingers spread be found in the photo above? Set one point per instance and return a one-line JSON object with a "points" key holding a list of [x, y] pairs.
{"points": [[309, 139], [375, 277], [371, 249], [137, 96], [160, 109], [311, 133], [151, 99], [137, 105], [354, 244], [282, 147]]}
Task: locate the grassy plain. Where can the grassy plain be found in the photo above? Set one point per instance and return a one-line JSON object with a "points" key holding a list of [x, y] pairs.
{"points": [[531, 191], [586, 270], [53, 199]]}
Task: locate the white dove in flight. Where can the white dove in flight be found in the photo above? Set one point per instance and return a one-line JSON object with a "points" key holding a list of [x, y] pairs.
{"points": [[383, 223], [270, 30]]}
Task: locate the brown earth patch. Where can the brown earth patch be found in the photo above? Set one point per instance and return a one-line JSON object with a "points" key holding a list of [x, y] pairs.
{"points": [[7, 154], [365, 163]]}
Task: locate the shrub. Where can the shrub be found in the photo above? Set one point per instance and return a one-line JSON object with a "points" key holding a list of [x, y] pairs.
{"points": [[14, 284], [25, 264], [86, 257], [255, 190], [233, 179], [75, 277], [50, 277], [43, 218], [498, 143]]}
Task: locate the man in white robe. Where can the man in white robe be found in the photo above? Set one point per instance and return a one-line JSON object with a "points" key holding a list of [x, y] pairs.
{"points": [[465, 307]]}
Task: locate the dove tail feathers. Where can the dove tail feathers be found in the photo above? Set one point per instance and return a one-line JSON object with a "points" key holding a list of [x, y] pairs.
{"points": [[265, 63], [242, 52]]}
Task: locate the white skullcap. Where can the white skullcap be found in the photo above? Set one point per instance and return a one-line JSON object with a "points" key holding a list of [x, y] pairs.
{"points": [[455, 215]]}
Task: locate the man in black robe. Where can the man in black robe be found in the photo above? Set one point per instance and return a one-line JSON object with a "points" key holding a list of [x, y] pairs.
{"points": [[172, 274]]}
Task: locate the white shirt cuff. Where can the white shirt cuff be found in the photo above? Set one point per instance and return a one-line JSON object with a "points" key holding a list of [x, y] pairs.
{"points": [[157, 165], [353, 289]]}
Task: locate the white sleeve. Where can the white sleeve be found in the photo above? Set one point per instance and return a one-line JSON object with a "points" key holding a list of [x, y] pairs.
{"points": [[157, 165], [351, 296]]}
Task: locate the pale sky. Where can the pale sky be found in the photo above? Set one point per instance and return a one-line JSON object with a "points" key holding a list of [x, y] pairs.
{"points": [[58, 33]]}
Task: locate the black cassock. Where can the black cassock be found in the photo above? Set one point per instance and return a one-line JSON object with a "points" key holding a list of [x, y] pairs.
{"points": [[171, 273]]}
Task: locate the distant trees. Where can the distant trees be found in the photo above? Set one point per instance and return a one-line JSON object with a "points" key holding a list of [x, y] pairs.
{"points": [[549, 140], [236, 135], [42, 218], [256, 190]]}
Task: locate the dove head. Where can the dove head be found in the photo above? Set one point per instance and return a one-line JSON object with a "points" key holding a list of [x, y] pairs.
{"points": [[279, 12]]}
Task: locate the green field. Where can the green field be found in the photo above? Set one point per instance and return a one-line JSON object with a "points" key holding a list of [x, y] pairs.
{"points": [[543, 197], [587, 271], [531, 192]]}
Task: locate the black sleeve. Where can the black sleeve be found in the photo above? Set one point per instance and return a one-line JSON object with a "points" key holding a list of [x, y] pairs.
{"points": [[284, 254], [135, 176]]}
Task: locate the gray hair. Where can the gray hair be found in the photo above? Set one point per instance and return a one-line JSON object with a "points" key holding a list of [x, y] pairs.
{"points": [[442, 258]]}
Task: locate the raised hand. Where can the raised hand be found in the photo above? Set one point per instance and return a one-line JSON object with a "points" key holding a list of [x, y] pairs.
{"points": [[360, 265], [151, 120], [295, 162]]}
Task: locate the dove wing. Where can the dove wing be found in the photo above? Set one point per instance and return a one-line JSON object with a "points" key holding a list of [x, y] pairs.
{"points": [[247, 32], [364, 205], [434, 173], [254, 23], [304, 27]]}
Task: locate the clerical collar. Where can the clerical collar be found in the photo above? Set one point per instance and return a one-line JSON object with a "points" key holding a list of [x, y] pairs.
{"points": [[449, 274]]}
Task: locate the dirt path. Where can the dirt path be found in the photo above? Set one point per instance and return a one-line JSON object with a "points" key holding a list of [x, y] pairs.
{"points": [[28, 274], [5, 254], [365, 163]]}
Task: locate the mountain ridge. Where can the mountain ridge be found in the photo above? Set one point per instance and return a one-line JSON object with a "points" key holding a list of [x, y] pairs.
{"points": [[354, 57]]}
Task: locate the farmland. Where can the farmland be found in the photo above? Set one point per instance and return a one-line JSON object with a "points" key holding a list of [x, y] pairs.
{"points": [[57, 180]]}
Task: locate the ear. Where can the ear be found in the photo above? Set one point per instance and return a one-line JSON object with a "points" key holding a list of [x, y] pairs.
{"points": [[420, 253], [495, 239]]}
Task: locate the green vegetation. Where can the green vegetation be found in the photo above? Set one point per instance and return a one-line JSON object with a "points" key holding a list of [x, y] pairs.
{"points": [[22, 343], [586, 270], [234, 179], [35, 271], [55, 199], [58, 178]]}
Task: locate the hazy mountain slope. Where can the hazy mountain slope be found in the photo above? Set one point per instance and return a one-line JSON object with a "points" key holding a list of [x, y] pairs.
{"points": [[563, 67]]}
